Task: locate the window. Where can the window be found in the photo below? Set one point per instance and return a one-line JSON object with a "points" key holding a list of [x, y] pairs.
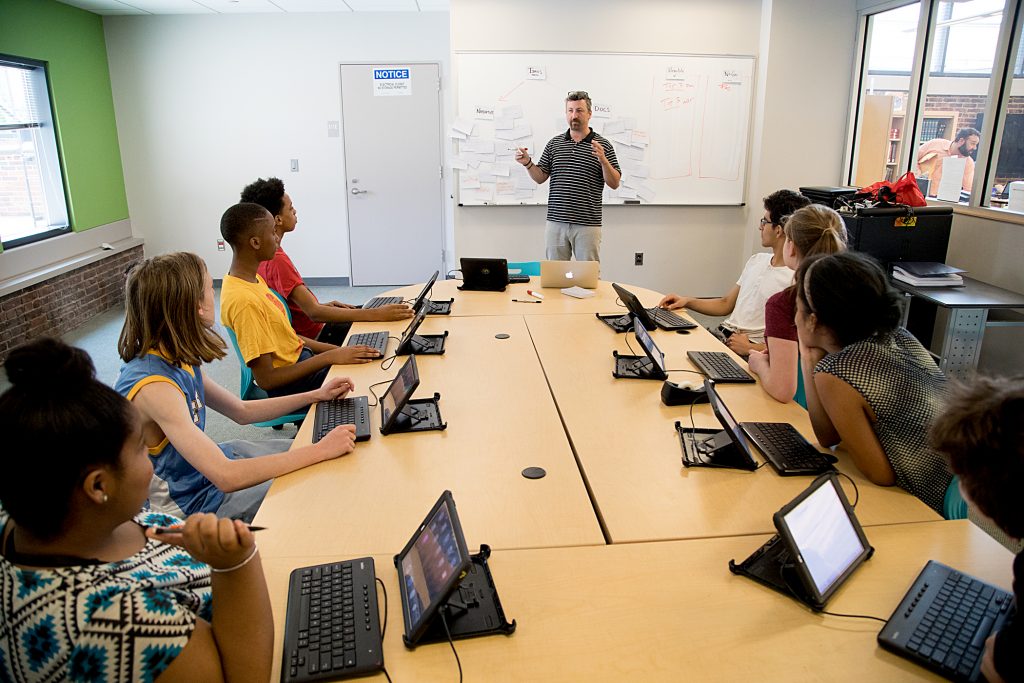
{"points": [[963, 54], [1010, 159], [32, 201], [891, 38], [969, 47]]}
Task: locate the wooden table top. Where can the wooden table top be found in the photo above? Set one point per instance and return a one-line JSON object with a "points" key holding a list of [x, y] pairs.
{"points": [[672, 611], [629, 452], [501, 303], [501, 419]]}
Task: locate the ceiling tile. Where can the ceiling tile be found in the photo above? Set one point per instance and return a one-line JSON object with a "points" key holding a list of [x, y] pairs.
{"points": [[312, 5], [383, 5], [240, 6]]}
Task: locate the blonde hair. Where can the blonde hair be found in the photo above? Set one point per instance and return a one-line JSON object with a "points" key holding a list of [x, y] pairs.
{"points": [[162, 298], [816, 229]]}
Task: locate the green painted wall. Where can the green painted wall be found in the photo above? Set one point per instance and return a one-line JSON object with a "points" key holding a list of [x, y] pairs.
{"points": [[71, 41]]}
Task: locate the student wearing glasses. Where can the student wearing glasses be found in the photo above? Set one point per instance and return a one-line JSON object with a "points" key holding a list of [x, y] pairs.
{"points": [[764, 275], [579, 163]]}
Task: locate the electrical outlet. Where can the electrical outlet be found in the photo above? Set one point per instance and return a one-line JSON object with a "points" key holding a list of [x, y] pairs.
{"points": [[638, 258], [220, 245]]}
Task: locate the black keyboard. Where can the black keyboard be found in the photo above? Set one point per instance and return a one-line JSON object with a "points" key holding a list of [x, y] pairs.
{"points": [[944, 619], [332, 629], [375, 340], [786, 448], [342, 411], [718, 366], [667, 320], [378, 301]]}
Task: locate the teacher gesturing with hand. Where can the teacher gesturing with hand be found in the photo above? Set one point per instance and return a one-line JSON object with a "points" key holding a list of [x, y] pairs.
{"points": [[579, 163]]}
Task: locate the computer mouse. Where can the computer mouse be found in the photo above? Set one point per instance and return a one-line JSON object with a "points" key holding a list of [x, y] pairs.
{"points": [[682, 393], [683, 331]]}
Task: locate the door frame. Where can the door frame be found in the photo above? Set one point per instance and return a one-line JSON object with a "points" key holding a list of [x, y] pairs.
{"points": [[442, 177]]}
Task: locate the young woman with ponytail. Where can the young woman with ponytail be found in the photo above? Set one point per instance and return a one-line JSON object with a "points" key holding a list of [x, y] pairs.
{"points": [[812, 230]]}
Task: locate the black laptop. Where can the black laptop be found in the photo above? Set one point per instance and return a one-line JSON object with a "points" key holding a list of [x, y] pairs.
{"points": [[484, 274]]}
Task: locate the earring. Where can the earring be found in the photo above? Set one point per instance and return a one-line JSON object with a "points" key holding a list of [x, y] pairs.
{"points": [[105, 498]]}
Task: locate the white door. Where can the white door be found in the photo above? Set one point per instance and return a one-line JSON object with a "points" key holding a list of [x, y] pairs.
{"points": [[391, 114]]}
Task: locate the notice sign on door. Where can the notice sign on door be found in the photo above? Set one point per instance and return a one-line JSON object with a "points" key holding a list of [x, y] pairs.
{"points": [[391, 82]]}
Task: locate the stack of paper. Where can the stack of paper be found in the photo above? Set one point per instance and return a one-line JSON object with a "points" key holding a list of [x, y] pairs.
{"points": [[578, 292], [927, 274]]}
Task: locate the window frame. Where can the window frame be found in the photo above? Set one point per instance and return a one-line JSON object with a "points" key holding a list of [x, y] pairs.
{"points": [[1009, 52], [57, 158]]}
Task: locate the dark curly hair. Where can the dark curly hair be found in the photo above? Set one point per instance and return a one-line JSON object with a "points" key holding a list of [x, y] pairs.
{"points": [[239, 222], [59, 422], [782, 203], [267, 193], [981, 431], [849, 293]]}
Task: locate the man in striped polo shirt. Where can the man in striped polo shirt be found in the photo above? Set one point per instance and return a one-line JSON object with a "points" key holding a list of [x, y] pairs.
{"points": [[580, 163]]}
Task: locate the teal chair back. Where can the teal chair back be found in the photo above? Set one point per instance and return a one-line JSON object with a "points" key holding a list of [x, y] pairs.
{"points": [[531, 268], [250, 391], [284, 302]]}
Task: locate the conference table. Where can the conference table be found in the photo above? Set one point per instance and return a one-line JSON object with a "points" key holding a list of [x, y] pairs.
{"points": [[615, 562], [672, 611]]}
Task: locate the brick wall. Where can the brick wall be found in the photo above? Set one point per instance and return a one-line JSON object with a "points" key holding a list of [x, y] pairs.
{"points": [[19, 176], [64, 302]]}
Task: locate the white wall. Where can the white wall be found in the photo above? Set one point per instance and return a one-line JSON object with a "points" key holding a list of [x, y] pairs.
{"points": [[805, 59], [206, 104]]}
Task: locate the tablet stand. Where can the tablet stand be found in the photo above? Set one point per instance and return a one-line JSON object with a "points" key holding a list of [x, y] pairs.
{"points": [[619, 323], [636, 367], [772, 565], [440, 307], [711, 448], [423, 345], [418, 415], [473, 608]]}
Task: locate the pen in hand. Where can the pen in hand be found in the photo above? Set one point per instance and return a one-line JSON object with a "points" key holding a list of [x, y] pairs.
{"points": [[178, 529]]}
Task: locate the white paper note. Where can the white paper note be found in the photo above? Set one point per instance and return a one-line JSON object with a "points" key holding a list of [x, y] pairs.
{"points": [[952, 178], [463, 126]]}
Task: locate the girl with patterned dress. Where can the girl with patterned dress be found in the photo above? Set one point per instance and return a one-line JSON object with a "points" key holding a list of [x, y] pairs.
{"points": [[870, 384], [89, 589], [166, 337]]}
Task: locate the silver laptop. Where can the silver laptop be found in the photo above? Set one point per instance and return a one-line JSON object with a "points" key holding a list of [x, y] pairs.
{"points": [[563, 274]]}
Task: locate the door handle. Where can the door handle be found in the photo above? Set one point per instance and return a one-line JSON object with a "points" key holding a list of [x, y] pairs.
{"points": [[358, 191]]}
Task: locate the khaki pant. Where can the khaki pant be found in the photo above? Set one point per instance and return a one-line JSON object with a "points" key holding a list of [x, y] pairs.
{"points": [[563, 240]]}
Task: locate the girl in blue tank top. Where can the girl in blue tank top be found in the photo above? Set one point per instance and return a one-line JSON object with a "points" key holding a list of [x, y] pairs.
{"points": [[166, 338]]}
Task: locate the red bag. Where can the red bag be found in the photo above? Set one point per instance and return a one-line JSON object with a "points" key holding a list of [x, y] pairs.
{"points": [[908, 192], [904, 191]]}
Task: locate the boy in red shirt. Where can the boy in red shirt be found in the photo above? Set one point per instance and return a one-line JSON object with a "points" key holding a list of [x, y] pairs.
{"points": [[330, 322]]}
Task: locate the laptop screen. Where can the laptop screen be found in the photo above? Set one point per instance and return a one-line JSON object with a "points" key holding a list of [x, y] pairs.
{"points": [[737, 435], [399, 391], [432, 564], [650, 348], [824, 535], [414, 325], [418, 301]]}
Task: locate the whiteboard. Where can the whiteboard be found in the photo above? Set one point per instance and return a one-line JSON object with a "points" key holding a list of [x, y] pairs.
{"points": [[680, 124]]}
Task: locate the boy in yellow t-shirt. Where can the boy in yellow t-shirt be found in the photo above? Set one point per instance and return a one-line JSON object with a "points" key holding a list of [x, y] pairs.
{"points": [[281, 361]]}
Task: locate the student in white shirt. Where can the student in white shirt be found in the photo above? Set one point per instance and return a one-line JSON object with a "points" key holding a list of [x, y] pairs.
{"points": [[762, 276]]}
